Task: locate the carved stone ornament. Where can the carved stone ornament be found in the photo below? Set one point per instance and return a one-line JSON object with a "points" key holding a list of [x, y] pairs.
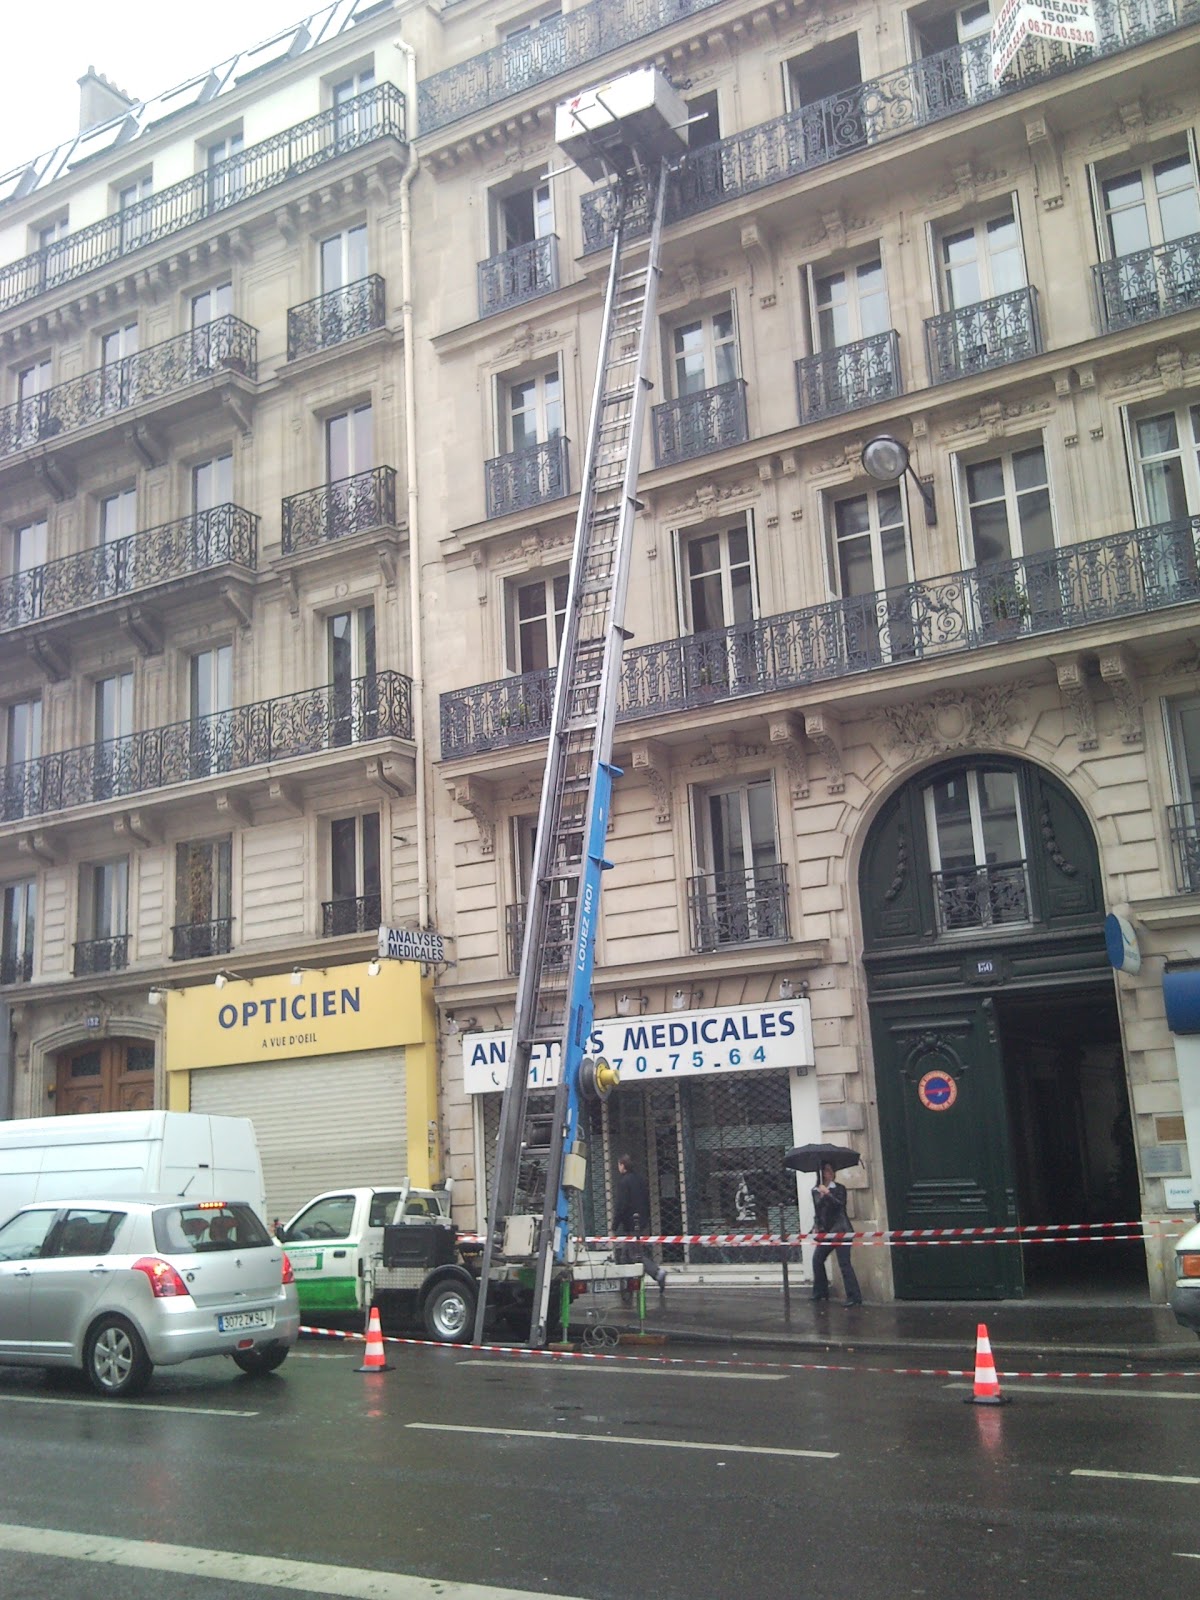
{"points": [[786, 735], [954, 719], [652, 761], [1118, 672], [824, 731], [478, 798], [1076, 692]]}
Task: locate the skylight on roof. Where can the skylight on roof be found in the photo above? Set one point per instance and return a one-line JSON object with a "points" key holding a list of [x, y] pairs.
{"points": [[272, 53], [96, 140], [192, 93]]}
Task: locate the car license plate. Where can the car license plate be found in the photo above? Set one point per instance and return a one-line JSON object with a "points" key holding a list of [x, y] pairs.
{"points": [[233, 1320]]}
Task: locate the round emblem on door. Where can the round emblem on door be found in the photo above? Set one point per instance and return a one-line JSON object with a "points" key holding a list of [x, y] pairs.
{"points": [[937, 1091]]}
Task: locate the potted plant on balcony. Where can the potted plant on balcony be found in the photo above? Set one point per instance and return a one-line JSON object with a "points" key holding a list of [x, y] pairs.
{"points": [[1007, 607]]}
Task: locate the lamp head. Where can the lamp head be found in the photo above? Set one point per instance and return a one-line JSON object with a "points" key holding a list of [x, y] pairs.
{"points": [[884, 458]]}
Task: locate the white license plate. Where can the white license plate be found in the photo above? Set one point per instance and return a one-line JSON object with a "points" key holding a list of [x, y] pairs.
{"points": [[233, 1320]]}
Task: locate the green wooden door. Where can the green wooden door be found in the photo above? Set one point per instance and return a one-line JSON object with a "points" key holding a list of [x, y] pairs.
{"points": [[944, 1128]]}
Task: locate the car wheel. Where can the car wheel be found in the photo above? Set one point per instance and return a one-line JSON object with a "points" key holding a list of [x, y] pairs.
{"points": [[256, 1363], [450, 1312], [115, 1359]]}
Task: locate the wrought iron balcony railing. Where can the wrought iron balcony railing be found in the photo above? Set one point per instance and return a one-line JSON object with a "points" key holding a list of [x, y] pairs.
{"points": [[1121, 575], [337, 510], [738, 907], [981, 897], [528, 477], [315, 720], [101, 955], [849, 376], [557, 944], [1149, 283], [226, 344], [888, 107], [1184, 828], [357, 914], [514, 276], [542, 53], [977, 338], [337, 316], [123, 566], [304, 147], [16, 968], [700, 423], [191, 940]]}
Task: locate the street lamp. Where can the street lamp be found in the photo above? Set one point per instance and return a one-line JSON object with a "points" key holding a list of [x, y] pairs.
{"points": [[885, 459]]}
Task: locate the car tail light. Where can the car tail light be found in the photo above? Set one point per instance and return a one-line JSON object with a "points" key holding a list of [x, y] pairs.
{"points": [[288, 1275], [165, 1282], [1189, 1264]]}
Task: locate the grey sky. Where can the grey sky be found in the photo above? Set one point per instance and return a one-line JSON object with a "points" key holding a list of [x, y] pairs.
{"points": [[143, 46]]}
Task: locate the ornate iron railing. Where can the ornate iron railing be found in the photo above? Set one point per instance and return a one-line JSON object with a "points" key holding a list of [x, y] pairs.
{"points": [[191, 940], [357, 914], [226, 344], [558, 936], [699, 423], [981, 897], [543, 53], [1184, 829], [1149, 283], [849, 376], [173, 550], [314, 720], [333, 318], [738, 907], [100, 955], [16, 968], [1124, 574], [925, 91], [989, 334], [528, 477], [514, 276], [337, 510], [378, 114]]}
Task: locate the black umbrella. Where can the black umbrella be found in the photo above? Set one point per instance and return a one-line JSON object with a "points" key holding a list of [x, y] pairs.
{"points": [[812, 1157]]}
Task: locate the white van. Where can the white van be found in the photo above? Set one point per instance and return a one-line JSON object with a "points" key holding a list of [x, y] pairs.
{"points": [[127, 1155]]}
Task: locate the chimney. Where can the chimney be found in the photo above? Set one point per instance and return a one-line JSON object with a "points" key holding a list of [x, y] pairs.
{"points": [[100, 100]]}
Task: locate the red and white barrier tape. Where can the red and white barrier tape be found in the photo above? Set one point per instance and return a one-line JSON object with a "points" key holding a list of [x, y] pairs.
{"points": [[1031, 1233]]}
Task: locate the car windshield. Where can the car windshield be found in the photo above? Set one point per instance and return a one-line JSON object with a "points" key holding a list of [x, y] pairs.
{"points": [[208, 1226]]}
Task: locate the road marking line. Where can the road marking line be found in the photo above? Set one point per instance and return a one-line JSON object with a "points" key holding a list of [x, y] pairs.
{"points": [[650, 1372], [616, 1438], [1187, 1555], [1134, 1477], [1093, 1391], [355, 1583], [140, 1405]]}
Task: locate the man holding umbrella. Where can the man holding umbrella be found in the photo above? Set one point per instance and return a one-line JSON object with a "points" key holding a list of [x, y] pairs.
{"points": [[829, 1213]]}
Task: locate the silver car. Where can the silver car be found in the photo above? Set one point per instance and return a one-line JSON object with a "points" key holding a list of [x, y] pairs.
{"points": [[1185, 1296], [119, 1287]]}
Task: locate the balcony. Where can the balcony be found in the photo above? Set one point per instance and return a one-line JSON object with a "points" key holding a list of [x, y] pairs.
{"points": [[191, 940], [1184, 830], [872, 113], [976, 338], [1123, 575], [100, 955], [742, 907], [514, 276], [333, 318], [16, 968], [967, 898], [249, 736], [361, 504], [226, 344], [525, 478], [850, 376], [700, 423], [356, 914], [545, 52], [1148, 284], [174, 550], [304, 147]]}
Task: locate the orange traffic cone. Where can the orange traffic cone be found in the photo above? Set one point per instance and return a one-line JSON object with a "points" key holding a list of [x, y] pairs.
{"points": [[987, 1384], [375, 1360]]}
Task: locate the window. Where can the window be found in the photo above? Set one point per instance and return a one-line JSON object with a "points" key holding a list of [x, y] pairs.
{"points": [[533, 410], [1009, 507], [22, 729], [225, 171], [704, 352], [22, 1238], [522, 215], [113, 727], [211, 304], [872, 568], [134, 219], [118, 371], [718, 587], [1166, 449], [17, 932], [827, 118], [117, 525], [343, 258], [355, 905], [203, 895], [981, 261], [524, 843], [1149, 205], [118, 515], [32, 419], [977, 850], [212, 483], [707, 130], [350, 637], [50, 233], [1183, 722], [946, 28], [851, 304], [28, 560], [349, 444], [353, 120], [105, 904], [210, 701], [537, 610], [739, 894]]}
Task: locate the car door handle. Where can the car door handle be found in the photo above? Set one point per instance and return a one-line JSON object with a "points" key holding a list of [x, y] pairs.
{"points": [[22, 1272], [99, 1270], [339, 1255]]}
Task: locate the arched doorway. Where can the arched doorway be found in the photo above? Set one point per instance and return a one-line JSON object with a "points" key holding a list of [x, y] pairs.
{"points": [[999, 1068], [105, 1075]]}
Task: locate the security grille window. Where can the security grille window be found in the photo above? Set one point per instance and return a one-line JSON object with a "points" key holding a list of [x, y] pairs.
{"points": [[537, 610], [1166, 448], [350, 643], [203, 898], [226, 175], [704, 352], [212, 483], [872, 566], [349, 444], [1183, 720], [977, 850], [355, 905], [18, 931], [533, 410], [982, 261], [524, 840], [1152, 204], [739, 894], [210, 703]]}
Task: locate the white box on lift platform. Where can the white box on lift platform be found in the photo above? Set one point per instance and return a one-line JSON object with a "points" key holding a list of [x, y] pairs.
{"points": [[639, 110]]}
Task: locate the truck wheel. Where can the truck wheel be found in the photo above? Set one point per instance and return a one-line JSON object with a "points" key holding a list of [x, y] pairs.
{"points": [[450, 1312], [256, 1363], [115, 1359]]}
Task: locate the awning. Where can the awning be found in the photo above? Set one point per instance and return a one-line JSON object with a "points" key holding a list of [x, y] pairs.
{"points": [[1181, 992]]}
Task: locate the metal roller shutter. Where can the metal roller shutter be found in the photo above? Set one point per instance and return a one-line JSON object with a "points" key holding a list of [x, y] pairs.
{"points": [[320, 1123]]}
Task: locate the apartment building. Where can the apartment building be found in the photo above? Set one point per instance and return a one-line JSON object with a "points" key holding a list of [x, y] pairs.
{"points": [[911, 702]]}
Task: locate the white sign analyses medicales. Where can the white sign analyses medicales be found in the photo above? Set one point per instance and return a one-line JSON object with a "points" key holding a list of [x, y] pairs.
{"points": [[675, 1044], [1071, 22]]}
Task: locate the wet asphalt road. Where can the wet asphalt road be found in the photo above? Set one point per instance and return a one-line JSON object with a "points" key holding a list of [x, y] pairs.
{"points": [[501, 1472]]}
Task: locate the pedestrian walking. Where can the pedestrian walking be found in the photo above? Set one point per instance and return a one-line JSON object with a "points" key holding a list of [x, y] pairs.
{"points": [[829, 1214], [631, 1215]]}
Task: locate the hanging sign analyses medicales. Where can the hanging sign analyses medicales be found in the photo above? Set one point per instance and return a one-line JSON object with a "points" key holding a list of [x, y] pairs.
{"points": [[672, 1044], [1069, 22]]}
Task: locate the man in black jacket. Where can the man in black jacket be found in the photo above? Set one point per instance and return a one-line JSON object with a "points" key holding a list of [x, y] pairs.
{"points": [[829, 1216], [631, 1215]]}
